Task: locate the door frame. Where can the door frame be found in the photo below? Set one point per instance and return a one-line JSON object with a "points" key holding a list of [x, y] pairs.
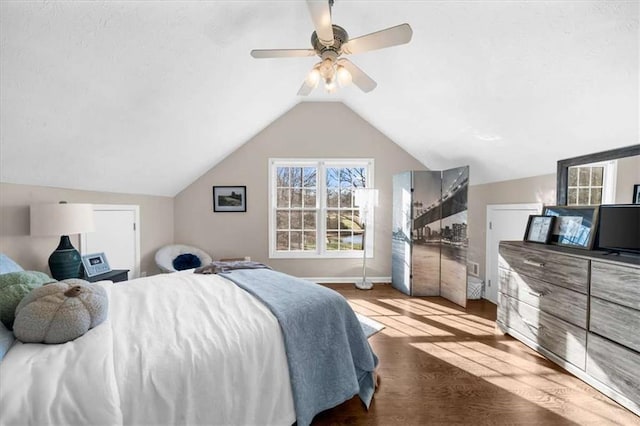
{"points": [[495, 207], [120, 207]]}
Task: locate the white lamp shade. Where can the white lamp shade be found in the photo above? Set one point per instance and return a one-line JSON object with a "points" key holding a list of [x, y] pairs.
{"points": [[366, 199], [61, 219]]}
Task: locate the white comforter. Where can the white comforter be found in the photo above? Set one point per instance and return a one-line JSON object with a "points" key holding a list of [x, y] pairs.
{"points": [[179, 348]]}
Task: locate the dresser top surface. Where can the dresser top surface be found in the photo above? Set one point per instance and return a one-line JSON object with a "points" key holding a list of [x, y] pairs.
{"points": [[601, 256]]}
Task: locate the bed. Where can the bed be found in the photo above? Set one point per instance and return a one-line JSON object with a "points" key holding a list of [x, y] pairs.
{"points": [[186, 348]]}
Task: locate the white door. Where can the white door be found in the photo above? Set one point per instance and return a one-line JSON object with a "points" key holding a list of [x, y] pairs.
{"points": [[117, 236], [504, 222]]}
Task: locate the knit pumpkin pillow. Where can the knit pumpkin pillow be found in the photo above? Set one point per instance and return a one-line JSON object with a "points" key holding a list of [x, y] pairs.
{"points": [[60, 312]]}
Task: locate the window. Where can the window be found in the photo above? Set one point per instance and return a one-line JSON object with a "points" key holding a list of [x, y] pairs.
{"points": [[591, 184], [312, 211]]}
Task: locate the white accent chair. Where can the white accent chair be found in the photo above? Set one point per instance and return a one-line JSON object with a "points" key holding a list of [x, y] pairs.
{"points": [[166, 255]]}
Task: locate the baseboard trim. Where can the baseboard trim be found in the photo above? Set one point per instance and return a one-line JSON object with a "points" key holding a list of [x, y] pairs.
{"points": [[341, 280]]}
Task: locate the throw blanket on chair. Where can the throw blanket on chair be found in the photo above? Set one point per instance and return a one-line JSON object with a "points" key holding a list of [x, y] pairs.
{"points": [[329, 357], [220, 266]]}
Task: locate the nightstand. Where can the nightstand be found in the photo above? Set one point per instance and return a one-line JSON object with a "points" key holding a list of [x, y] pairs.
{"points": [[117, 275]]}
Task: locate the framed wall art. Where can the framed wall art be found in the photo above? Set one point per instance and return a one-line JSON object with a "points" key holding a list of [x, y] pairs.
{"points": [[539, 229], [636, 193], [575, 226], [229, 198]]}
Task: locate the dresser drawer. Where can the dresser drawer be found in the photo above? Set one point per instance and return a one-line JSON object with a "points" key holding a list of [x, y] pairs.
{"points": [[563, 339], [559, 301], [616, 283], [616, 322], [549, 266], [615, 366]]}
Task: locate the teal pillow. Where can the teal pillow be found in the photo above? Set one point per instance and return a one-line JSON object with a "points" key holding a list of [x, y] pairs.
{"points": [[13, 287]]}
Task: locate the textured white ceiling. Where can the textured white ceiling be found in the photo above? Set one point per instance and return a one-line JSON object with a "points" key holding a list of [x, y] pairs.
{"points": [[145, 96]]}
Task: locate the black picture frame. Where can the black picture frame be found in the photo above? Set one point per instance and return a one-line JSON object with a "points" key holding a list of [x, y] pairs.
{"points": [[575, 226], [636, 194], [95, 264], [229, 199], [539, 229]]}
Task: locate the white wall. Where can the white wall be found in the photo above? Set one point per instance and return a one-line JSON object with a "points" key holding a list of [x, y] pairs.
{"points": [[32, 253]]}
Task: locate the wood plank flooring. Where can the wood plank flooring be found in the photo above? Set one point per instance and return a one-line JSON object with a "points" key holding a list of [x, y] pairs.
{"points": [[441, 364]]}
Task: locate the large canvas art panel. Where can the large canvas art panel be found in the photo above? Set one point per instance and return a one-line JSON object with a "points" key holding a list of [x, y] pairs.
{"points": [[454, 239]]}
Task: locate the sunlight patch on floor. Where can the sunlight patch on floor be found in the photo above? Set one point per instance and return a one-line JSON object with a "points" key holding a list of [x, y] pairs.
{"points": [[525, 379], [453, 322], [412, 307]]}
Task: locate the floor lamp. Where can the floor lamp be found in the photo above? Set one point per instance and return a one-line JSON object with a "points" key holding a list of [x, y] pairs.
{"points": [[62, 220], [367, 200]]}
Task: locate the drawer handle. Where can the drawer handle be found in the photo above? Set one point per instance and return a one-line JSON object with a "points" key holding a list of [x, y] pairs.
{"points": [[532, 263], [537, 327], [536, 294]]}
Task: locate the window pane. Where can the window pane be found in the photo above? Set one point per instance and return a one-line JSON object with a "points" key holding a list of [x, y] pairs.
{"points": [[296, 240], [346, 198], [332, 240], [283, 198], [309, 240], [283, 176], [346, 219], [296, 177], [332, 198], [333, 177], [310, 221], [596, 177], [296, 220], [596, 196], [357, 240], [583, 176], [332, 219], [310, 174], [573, 176], [310, 198], [282, 220], [572, 195], [282, 240], [583, 196], [346, 240], [296, 197]]}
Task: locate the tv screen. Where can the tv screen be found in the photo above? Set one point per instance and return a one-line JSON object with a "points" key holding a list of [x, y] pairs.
{"points": [[619, 228]]}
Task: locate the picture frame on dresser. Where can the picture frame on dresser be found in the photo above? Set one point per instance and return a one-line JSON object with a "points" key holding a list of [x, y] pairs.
{"points": [[539, 229], [575, 226]]}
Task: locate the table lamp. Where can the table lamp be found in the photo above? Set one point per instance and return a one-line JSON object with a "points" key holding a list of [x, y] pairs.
{"points": [[367, 200], [62, 219]]}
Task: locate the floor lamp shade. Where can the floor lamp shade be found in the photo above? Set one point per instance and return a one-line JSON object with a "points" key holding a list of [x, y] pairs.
{"points": [[62, 220]]}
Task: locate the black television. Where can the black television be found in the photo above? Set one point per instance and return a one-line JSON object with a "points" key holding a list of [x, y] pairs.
{"points": [[619, 228]]}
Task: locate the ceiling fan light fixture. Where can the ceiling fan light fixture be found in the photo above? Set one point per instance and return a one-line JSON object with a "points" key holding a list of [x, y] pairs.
{"points": [[327, 69], [313, 78], [330, 84], [344, 76]]}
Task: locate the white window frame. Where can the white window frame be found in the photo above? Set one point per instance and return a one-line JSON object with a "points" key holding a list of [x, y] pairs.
{"points": [[321, 206], [608, 180]]}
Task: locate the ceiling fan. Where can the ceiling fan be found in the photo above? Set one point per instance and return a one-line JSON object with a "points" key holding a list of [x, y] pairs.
{"points": [[330, 42]]}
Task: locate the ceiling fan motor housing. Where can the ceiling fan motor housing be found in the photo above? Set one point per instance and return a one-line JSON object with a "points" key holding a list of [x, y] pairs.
{"points": [[340, 37]]}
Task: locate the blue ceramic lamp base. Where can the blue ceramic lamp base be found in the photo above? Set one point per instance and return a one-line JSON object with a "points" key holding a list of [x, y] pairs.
{"points": [[65, 262]]}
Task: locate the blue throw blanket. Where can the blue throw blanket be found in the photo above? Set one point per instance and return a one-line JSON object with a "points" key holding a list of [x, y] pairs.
{"points": [[329, 357]]}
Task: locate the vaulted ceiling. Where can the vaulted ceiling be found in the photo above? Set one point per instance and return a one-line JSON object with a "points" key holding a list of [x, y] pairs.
{"points": [[145, 96]]}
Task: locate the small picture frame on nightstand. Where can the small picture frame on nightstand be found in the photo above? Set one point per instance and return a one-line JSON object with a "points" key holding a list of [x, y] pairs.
{"points": [[95, 264]]}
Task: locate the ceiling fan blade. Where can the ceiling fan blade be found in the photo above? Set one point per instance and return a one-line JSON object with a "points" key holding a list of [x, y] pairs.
{"points": [[358, 77], [393, 36], [305, 89], [320, 11], [281, 53]]}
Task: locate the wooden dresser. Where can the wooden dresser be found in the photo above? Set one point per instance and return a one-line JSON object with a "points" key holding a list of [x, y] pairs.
{"points": [[580, 309]]}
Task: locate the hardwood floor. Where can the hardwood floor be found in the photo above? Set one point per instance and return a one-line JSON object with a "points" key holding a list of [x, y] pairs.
{"points": [[441, 364]]}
